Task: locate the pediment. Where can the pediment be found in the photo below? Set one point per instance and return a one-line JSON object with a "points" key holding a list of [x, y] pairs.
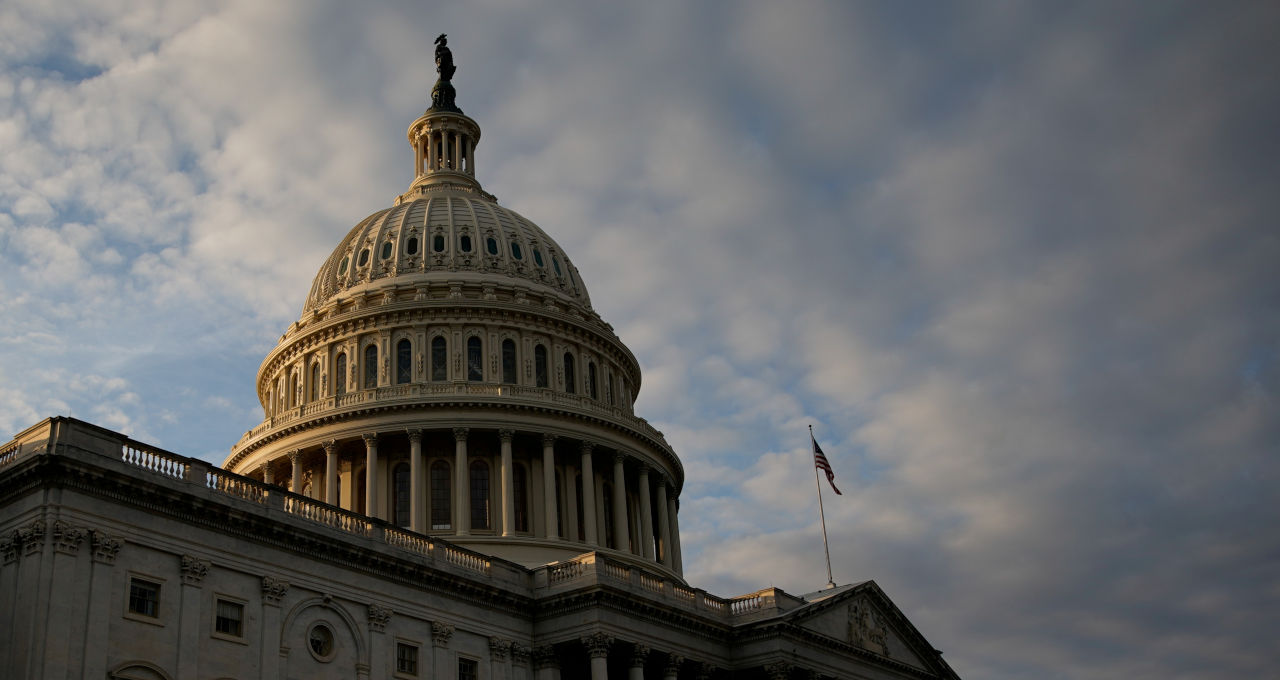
{"points": [[865, 622]]}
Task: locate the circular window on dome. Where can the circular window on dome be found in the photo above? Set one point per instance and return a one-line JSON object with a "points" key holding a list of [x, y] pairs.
{"points": [[515, 251], [320, 642], [364, 258], [386, 250], [537, 257], [465, 244], [437, 244], [492, 245], [342, 268], [411, 247]]}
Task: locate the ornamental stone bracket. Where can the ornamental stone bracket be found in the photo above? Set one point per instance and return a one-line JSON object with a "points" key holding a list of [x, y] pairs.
{"points": [[31, 537], [499, 648], [68, 537], [105, 546], [544, 657], [639, 654], [441, 632], [194, 570], [520, 654], [778, 670], [274, 590], [379, 616], [672, 667], [8, 549], [597, 644]]}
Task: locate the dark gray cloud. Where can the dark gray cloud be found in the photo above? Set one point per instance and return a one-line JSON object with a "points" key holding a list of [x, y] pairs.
{"points": [[1013, 262]]}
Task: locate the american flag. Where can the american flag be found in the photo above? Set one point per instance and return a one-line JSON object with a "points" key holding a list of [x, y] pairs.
{"points": [[820, 461]]}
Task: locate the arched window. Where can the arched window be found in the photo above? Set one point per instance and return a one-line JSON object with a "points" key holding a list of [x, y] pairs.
{"points": [[315, 381], [592, 386], [475, 359], [370, 367], [441, 488], [479, 495], [608, 388], [509, 361], [540, 366], [400, 489], [569, 377], [340, 374], [404, 362], [520, 493], [582, 526], [293, 390], [439, 358]]}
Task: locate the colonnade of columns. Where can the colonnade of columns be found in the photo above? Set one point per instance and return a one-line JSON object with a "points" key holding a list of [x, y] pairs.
{"points": [[549, 661], [444, 149], [640, 515]]}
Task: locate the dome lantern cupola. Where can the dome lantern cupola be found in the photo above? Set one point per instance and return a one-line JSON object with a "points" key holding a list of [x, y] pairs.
{"points": [[443, 138]]}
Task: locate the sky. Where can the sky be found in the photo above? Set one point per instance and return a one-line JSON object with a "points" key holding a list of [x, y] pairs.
{"points": [[1016, 263]]}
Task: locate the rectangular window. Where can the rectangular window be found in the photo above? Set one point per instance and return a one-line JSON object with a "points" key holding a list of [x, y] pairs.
{"points": [[230, 618], [468, 669], [407, 658], [144, 597]]}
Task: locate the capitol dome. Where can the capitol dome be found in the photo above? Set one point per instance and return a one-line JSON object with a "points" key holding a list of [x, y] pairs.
{"points": [[448, 377]]}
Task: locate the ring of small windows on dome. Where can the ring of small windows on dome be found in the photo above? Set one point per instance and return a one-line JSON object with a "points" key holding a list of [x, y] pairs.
{"points": [[537, 257], [464, 243], [515, 251], [411, 246], [386, 249], [555, 261], [437, 243], [492, 245], [364, 258], [342, 268]]}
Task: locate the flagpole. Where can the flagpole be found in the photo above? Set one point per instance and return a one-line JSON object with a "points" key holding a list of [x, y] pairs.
{"points": [[821, 513]]}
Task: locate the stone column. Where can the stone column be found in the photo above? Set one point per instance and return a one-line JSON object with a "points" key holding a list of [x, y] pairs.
{"points": [[379, 617], [462, 490], [639, 654], [588, 496], [508, 490], [520, 662], [189, 616], [273, 590], [672, 670], [673, 511], [646, 514], [99, 603], [371, 476], [268, 477], [499, 658], [664, 526], [621, 532], [295, 471], [551, 525], [597, 645], [417, 508], [440, 634], [330, 473], [545, 663], [571, 502], [64, 628]]}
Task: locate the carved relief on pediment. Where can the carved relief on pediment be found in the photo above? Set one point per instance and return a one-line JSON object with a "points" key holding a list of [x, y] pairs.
{"points": [[866, 627]]}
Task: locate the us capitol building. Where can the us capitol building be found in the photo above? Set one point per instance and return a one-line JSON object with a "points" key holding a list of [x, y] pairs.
{"points": [[449, 483]]}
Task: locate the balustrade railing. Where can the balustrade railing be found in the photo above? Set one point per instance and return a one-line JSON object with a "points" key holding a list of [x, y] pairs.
{"points": [[167, 464], [408, 541], [328, 515], [745, 604], [9, 454], [565, 571], [466, 560], [235, 485]]}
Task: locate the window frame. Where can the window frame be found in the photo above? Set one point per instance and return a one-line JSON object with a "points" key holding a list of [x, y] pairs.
{"points": [[370, 377], [135, 615], [397, 671], [447, 495], [218, 600], [404, 361]]}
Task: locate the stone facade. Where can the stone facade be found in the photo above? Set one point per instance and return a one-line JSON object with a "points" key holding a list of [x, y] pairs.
{"points": [[121, 560]]}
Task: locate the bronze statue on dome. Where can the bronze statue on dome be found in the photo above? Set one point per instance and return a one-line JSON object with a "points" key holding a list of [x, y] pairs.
{"points": [[442, 95]]}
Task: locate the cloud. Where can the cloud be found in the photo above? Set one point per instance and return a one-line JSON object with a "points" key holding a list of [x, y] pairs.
{"points": [[1014, 265]]}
